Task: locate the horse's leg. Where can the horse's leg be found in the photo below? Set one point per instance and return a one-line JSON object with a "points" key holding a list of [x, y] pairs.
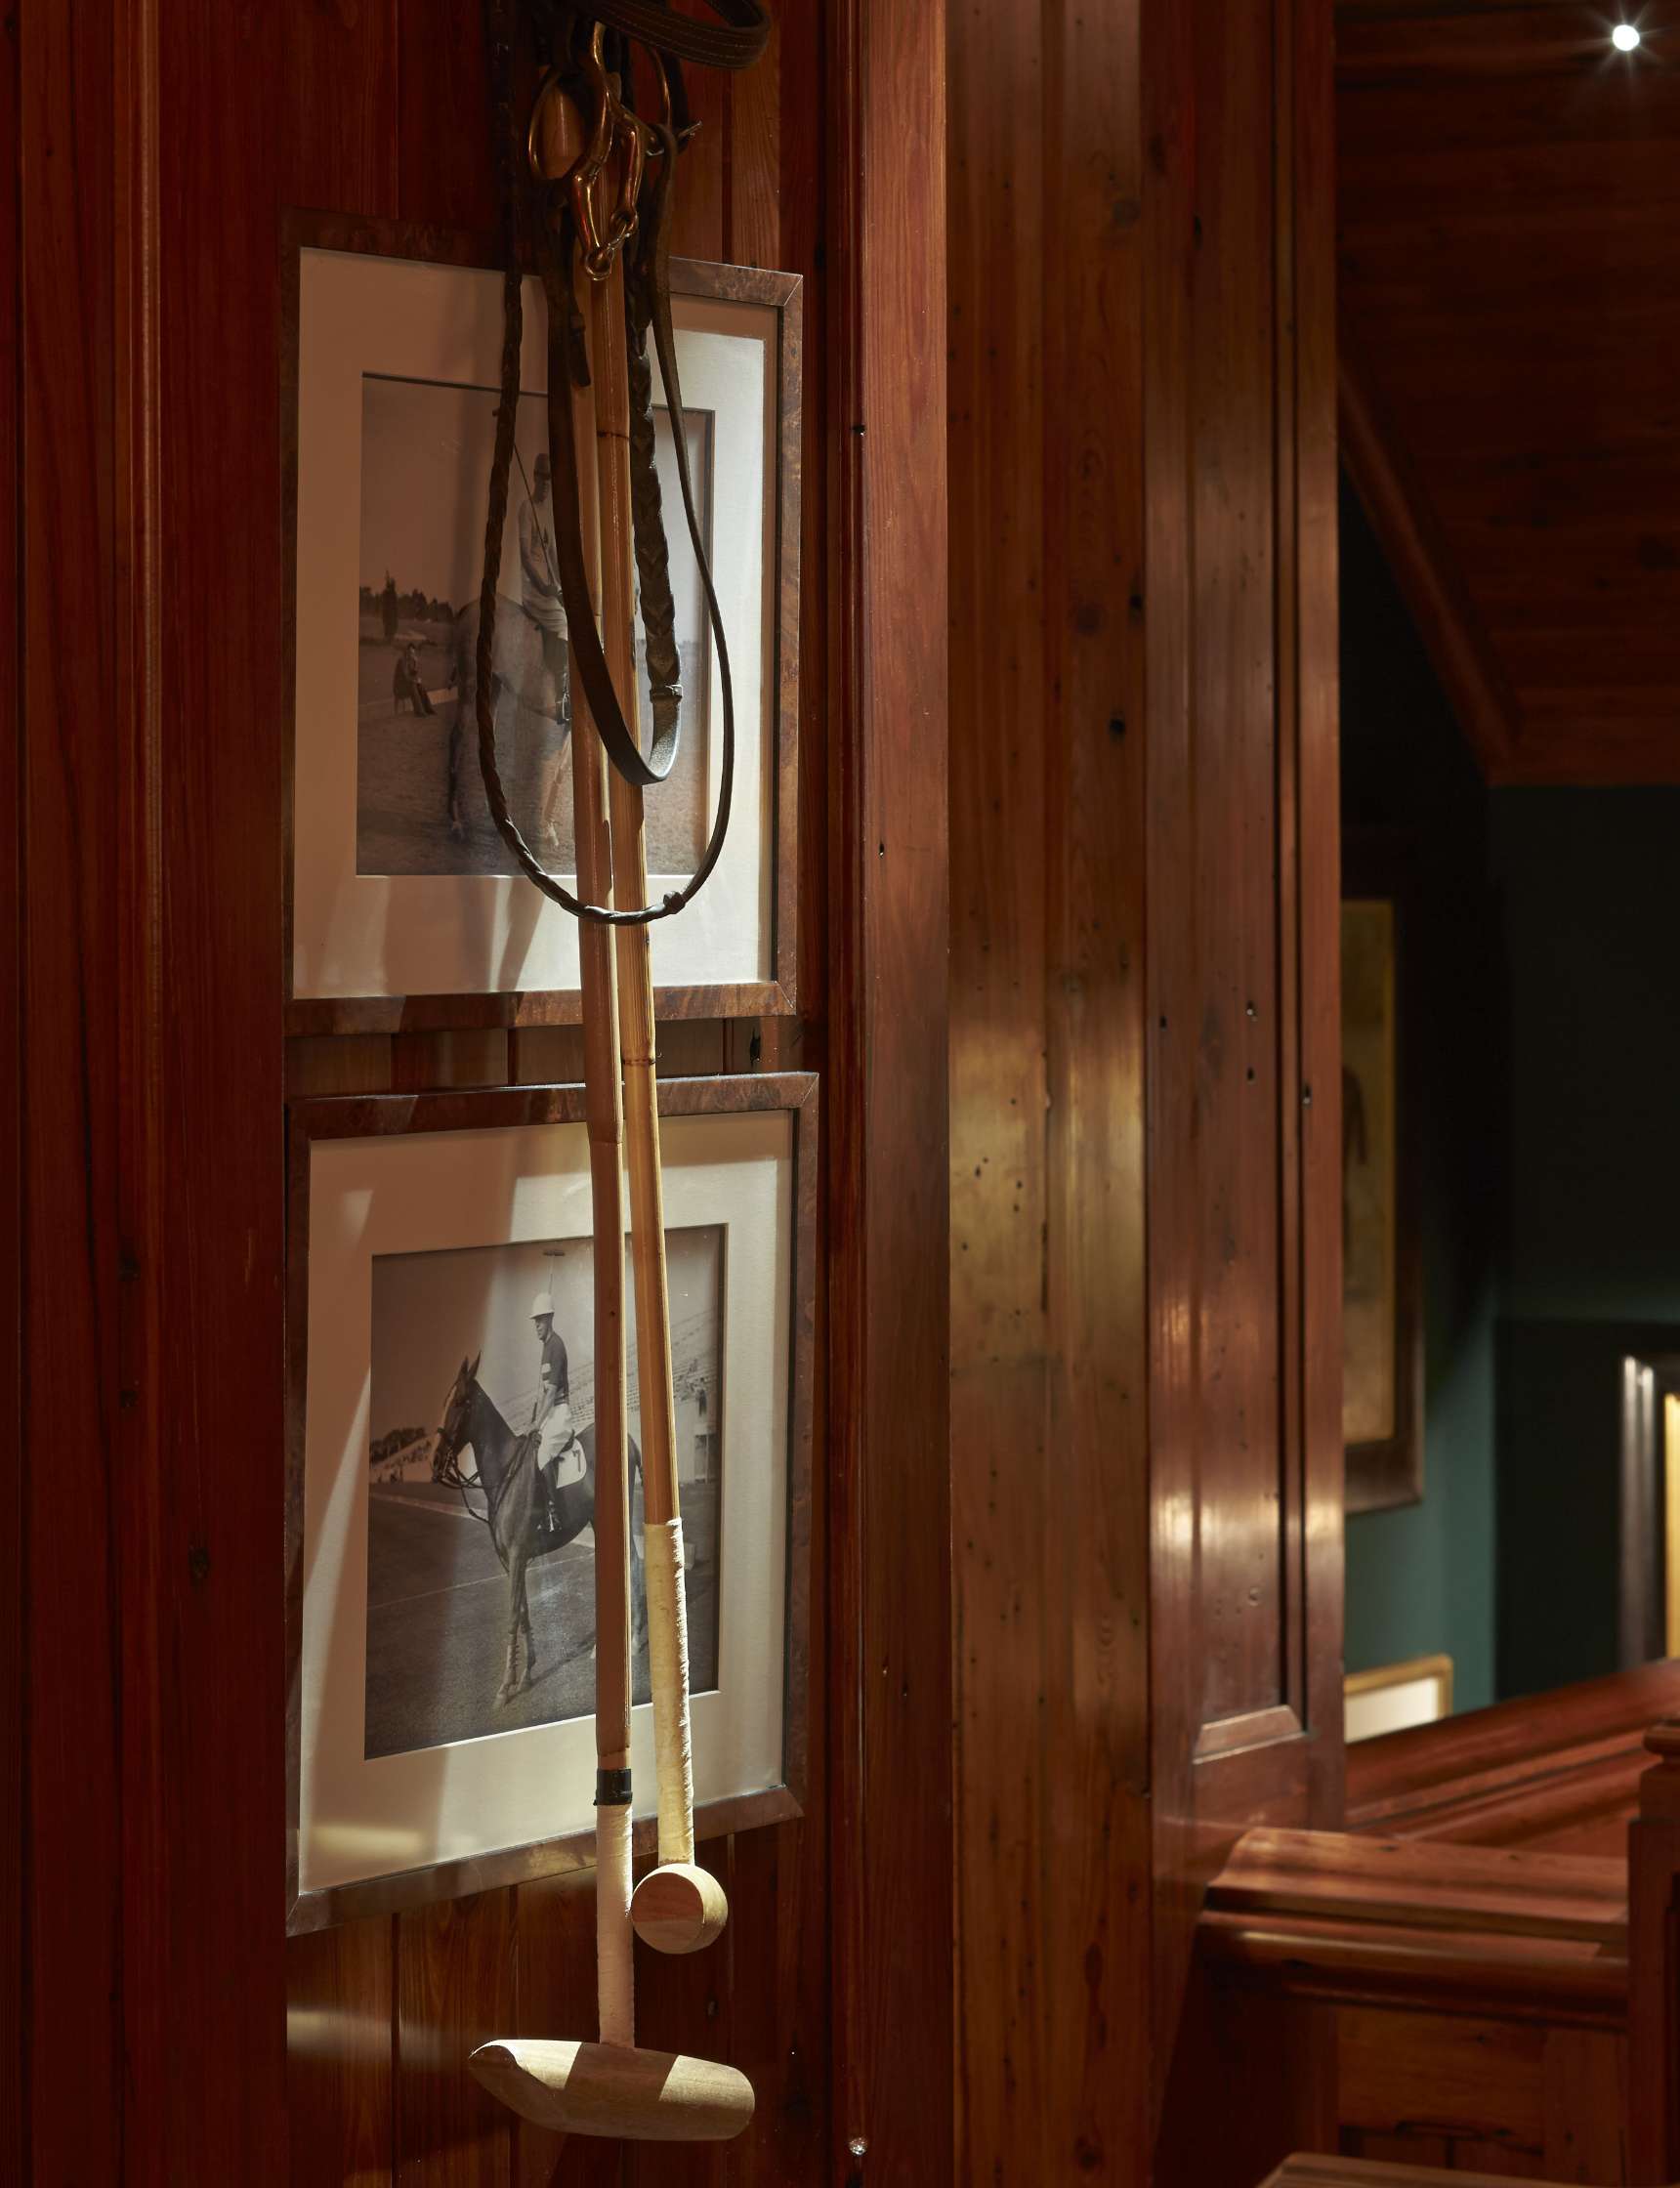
{"points": [[516, 1612], [529, 1644], [456, 818]]}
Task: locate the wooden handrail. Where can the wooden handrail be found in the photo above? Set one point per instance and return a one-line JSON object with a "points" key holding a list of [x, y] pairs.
{"points": [[1360, 1919], [1558, 1770], [1365, 2172], [1654, 1939]]}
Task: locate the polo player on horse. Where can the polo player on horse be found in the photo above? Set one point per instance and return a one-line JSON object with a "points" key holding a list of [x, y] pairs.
{"points": [[551, 1416]]}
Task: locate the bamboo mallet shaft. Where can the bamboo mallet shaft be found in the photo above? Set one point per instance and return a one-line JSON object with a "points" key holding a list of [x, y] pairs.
{"points": [[679, 1908], [605, 1125]]}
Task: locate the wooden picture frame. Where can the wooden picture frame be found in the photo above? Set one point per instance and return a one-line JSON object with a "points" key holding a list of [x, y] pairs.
{"points": [[456, 1125], [1385, 1467], [777, 992]]}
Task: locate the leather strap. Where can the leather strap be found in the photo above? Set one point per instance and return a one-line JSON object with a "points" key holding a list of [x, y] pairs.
{"points": [[736, 41], [647, 307]]}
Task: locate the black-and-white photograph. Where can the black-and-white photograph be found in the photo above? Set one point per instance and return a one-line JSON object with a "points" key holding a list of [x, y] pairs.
{"points": [[426, 451], [480, 1584]]}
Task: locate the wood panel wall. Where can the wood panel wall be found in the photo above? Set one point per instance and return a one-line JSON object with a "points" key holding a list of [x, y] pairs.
{"points": [[1145, 1048], [175, 2037]]}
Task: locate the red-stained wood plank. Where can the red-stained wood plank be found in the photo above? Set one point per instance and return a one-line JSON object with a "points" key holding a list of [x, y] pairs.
{"points": [[64, 163], [444, 172], [888, 1121], [14, 1764], [339, 2087], [1097, 1834], [779, 2009], [701, 220], [756, 177], [456, 1989], [999, 702], [203, 1196], [1239, 615], [800, 52], [338, 82]]}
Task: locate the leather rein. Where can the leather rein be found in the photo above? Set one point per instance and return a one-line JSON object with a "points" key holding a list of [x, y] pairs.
{"points": [[564, 216]]}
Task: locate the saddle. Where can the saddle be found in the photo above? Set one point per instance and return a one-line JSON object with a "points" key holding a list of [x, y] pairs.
{"points": [[571, 1465]]}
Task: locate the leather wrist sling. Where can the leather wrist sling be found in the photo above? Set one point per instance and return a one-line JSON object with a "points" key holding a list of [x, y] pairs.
{"points": [[574, 52]]}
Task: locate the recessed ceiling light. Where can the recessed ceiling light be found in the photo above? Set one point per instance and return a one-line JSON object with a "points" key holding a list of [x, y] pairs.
{"points": [[1625, 37]]}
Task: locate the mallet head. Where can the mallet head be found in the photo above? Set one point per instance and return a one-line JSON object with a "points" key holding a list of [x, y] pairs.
{"points": [[677, 1907], [616, 2090]]}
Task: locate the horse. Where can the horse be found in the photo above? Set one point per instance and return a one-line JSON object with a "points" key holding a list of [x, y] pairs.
{"points": [[533, 686], [518, 1518]]}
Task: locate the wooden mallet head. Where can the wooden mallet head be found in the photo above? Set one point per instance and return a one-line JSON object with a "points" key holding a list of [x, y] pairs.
{"points": [[616, 2090], [677, 1907]]}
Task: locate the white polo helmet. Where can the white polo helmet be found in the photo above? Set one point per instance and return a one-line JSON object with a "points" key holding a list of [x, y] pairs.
{"points": [[542, 1304]]}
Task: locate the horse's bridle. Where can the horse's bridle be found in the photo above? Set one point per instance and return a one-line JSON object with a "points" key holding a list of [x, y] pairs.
{"points": [[585, 56]]}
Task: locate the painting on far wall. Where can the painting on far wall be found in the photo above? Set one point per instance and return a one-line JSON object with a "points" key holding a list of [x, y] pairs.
{"points": [[1381, 1323]]}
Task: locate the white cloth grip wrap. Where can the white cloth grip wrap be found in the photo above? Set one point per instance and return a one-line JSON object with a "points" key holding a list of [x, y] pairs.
{"points": [[614, 1975], [668, 1664]]}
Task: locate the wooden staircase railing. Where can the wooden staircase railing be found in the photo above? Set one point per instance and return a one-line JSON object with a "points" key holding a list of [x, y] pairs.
{"points": [[1365, 2172], [1653, 1967]]}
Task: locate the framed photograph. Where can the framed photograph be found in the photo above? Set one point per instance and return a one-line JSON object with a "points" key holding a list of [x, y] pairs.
{"points": [[405, 909], [1382, 1320], [440, 1734]]}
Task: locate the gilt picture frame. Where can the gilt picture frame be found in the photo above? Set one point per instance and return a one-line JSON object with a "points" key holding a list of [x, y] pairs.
{"points": [[403, 910], [1382, 1273], [424, 1759]]}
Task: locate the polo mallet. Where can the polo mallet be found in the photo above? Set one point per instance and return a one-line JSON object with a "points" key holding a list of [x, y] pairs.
{"points": [[678, 1907], [609, 2087]]}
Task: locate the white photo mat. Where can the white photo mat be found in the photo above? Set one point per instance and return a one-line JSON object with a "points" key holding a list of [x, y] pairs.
{"points": [[356, 934], [361, 1820]]}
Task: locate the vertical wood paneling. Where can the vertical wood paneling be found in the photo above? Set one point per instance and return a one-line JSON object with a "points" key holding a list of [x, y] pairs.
{"points": [[1245, 1196], [755, 160], [444, 174], [211, 1415], [889, 1115], [1000, 701], [13, 1775], [455, 1988], [1234, 758], [339, 67], [339, 2091], [1140, 961], [1098, 1833], [67, 783]]}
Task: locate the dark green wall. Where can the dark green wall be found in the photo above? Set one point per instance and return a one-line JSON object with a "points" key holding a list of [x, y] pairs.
{"points": [[1592, 1255]]}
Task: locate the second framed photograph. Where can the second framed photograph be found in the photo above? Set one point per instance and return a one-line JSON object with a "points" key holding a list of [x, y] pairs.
{"points": [[405, 906], [440, 1652]]}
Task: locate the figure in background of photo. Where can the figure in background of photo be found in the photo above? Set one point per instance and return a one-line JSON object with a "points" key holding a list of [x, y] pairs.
{"points": [[551, 1416], [388, 608], [539, 569], [408, 683], [530, 677]]}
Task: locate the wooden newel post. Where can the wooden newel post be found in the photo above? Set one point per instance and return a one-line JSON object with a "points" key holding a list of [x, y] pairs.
{"points": [[1653, 1967]]}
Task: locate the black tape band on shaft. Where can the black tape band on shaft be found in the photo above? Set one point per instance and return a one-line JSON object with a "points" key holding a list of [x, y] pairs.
{"points": [[611, 1788]]}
